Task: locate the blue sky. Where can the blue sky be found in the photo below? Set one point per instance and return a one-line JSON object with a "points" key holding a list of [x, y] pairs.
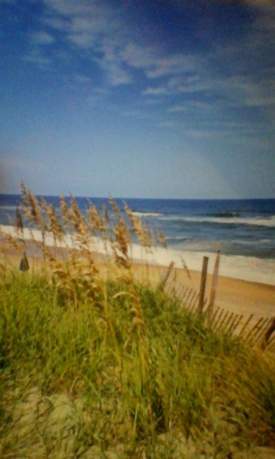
{"points": [[144, 98]]}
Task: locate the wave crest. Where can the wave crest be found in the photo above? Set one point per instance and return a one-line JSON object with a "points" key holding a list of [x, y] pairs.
{"points": [[147, 214], [255, 221]]}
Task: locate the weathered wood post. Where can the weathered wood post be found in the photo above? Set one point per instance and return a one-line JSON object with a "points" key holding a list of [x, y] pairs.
{"points": [[203, 284], [215, 277]]}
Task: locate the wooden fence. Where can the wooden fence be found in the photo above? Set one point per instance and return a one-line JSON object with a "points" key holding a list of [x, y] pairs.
{"points": [[254, 331]]}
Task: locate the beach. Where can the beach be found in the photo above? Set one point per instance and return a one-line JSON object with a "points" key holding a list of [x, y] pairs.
{"points": [[244, 287]]}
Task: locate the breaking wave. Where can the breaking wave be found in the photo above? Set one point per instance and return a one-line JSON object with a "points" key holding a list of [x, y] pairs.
{"points": [[251, 221], [147, 214]]}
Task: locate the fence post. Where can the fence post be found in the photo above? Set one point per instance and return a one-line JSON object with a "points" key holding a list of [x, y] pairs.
{"points": [[215, 277], [202, 284]]}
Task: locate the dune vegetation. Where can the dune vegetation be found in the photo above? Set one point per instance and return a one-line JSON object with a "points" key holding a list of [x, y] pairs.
{"points": [[99, 365]]}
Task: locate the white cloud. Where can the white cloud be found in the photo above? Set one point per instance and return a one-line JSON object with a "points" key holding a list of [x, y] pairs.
{"points": [[182, 85], [78, 78], [71, 7], [139, 57], [91, 19], [42, 38], [178, 108], [137, 113], [116, 74], [173, 65], [102, 35], [155, 64], [112, 64], [238, 91], [81, 40], [157, 91], [56, 22], [167, 124], [190, 105], [35, 56], [95, 27]]}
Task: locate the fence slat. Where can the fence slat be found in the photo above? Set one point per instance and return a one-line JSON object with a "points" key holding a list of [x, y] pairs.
{"points": [[259, 330], [188, 298], [193, 299], [271, 344], [245, 325], [219, 316], [166, 276], [216, 311], [183, 294], [220, 325], [260, 337], [229, 322], [236, 324], [252, 329]]}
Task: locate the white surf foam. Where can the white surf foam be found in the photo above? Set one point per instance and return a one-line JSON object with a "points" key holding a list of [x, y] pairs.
{"points": [[147, 214], [240, 267], [8, 207], [255, 221]]}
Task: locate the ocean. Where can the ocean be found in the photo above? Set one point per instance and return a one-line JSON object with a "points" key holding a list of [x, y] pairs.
{"points": [[235, 227], [242, 228]]}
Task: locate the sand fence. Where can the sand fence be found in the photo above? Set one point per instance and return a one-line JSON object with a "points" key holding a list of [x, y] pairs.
{"points": [[254, 331]]}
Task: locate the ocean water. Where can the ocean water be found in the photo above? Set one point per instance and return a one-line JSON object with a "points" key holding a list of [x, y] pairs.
{"points": [[236, 227]]}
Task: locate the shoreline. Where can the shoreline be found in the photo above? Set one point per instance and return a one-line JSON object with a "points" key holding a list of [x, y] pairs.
{"points": [[251, 269]]}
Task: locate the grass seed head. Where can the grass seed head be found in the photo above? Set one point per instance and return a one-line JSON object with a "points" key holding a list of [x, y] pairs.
{"points": [[19, 221], [96, 221]]}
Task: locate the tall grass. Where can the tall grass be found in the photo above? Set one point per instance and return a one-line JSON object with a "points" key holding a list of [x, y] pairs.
{"points": [[99, 365]]}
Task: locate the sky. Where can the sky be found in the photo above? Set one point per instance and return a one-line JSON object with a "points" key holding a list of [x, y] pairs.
{"points": [[138, 98]]}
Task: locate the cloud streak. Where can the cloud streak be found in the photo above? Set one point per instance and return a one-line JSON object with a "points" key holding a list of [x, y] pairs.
{"points": [[42, 38], [100, 35], [96, 29]]}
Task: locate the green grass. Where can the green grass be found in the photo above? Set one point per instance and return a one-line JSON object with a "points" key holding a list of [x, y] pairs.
{"points": [[137, 376]]}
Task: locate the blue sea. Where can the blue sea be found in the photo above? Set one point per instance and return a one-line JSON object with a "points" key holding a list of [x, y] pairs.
{"points": [[235, 227]]}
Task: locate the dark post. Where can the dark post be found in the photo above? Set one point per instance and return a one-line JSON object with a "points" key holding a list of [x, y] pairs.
{"points": [[202, 284], [214, 285]]}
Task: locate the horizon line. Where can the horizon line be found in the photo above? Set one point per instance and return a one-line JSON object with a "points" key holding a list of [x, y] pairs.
{"points": [[140, 198]]}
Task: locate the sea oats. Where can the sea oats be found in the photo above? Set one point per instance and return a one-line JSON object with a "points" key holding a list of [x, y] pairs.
{"points": [[95, 219], [143, 234]]}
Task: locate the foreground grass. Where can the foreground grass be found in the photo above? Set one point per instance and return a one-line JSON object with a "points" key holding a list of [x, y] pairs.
{"points": [[123, 374]]}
